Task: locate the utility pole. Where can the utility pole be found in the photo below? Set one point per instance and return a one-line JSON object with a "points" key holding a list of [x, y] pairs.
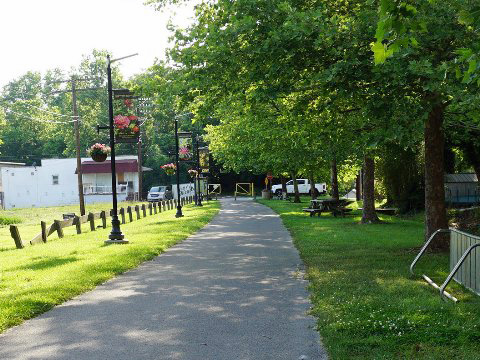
{"points": [[73, 89], [77, 145]]}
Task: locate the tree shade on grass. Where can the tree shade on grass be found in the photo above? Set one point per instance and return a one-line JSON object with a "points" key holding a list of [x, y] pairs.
{"points": [[36, 278], [367, 305]]}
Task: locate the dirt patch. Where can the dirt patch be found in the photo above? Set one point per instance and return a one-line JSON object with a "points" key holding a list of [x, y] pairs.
{"points": [[467, 219]]}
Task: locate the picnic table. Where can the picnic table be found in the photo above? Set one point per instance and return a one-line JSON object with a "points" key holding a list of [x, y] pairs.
{"points": [[334, 206]]}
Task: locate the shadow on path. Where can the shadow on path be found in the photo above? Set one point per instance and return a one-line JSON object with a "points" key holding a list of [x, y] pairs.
{"points": [[232, 291]]}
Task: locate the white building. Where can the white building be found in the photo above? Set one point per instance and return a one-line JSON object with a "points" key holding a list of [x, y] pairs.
{"points": [[9, 165], [55, 182]]}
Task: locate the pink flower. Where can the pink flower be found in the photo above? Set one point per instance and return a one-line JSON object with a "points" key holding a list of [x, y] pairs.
{"points": [[98, 149], [121, 121], [132, 117], [184, 151]]}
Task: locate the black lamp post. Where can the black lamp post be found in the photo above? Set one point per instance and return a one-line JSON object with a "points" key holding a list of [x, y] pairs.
{"points": [[116, 236], [199, 197], [179, 205]]}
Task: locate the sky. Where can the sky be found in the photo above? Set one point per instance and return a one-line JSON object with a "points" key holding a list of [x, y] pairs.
{"points": [[38, 35]]}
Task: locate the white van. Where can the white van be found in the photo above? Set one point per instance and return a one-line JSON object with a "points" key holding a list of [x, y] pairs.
{"points": [[156, 193]]}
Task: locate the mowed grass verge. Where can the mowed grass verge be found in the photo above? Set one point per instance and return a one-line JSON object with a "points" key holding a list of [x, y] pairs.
{"points": [[28, 219], [367, 304], [34, 279]]}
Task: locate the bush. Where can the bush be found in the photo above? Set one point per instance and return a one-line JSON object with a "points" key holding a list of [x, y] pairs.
{"points": [[7, 220]]}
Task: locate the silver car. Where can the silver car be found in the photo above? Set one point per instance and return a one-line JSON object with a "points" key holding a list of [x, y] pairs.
{"points": [[156, 193]]}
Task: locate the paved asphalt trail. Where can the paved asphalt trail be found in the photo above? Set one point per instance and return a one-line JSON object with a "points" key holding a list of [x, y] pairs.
{"points": [[232, 291]]}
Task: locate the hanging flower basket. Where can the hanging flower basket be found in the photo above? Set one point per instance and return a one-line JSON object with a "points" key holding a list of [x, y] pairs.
{"points": [[126, 128], [99, 157], [170, 169], [98, 152]]}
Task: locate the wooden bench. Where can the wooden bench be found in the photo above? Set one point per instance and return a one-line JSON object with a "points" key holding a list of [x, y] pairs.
{"points": [[312, 212], [340, 211], [385, 211]]}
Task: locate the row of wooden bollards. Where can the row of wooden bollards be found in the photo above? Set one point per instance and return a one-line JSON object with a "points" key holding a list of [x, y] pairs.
{"points": [[124, 213]]}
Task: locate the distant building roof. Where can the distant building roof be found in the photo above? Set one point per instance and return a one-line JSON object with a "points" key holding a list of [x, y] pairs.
{"points": [[121, 166], [7, 163], [461, 178]]}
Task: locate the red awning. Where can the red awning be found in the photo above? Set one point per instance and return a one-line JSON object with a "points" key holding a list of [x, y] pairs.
{"points": [[121, 166]]}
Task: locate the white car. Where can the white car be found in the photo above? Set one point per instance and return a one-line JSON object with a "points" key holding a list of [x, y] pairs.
{"points": [[303, 187], [156, 193]]}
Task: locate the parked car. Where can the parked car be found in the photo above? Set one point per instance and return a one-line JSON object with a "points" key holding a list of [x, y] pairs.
{"points": [[157, 193], [303, 187]]}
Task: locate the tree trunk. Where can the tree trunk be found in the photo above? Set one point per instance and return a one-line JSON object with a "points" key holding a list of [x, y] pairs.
{"points": [[295, 189], [473, 157], [358, 186], [369, 215], [284, 184], [435, 211], [313, 192], [334, 180]]}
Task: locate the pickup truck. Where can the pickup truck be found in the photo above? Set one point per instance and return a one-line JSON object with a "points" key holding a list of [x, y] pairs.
{"points": [[303, 187]]}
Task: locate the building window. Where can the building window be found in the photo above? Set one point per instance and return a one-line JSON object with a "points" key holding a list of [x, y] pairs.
{"points": [[55, 179]]}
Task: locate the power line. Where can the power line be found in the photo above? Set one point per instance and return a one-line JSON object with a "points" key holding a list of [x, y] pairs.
{"points": [[46, 111], [39, 120]]}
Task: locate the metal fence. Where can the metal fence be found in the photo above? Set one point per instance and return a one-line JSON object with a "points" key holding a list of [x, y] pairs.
{"points": [[459, 197], [103, 189], [464, 261], [468, 273]]}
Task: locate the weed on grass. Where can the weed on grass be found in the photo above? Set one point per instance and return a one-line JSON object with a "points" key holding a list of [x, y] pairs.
{"points": [[34, 279], [367, 304], [7, 220]]}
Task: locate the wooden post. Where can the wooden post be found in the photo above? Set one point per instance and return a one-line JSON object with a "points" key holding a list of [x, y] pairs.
{"points": [[159, 206], [43, 225], [91, 219], [155, 208], [144, 210], [129, 212], [137, 211], [58, 227], [103, 216], [164, 205], [16, 236], [77, 223], [122, 214], [150, 209]]}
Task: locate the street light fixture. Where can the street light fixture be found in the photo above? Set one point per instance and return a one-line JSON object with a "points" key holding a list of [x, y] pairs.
{"points": [[186, 154], [197, 179], [116, 236]]}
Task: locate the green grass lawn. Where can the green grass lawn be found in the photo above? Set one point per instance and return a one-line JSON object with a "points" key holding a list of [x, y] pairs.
{"points": [[34, 279], [367, 304], [28, 220]]}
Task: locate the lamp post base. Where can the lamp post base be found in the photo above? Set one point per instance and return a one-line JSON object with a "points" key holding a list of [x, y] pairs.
{"points": [[116, 241], [179, 212], [116, 236]]}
